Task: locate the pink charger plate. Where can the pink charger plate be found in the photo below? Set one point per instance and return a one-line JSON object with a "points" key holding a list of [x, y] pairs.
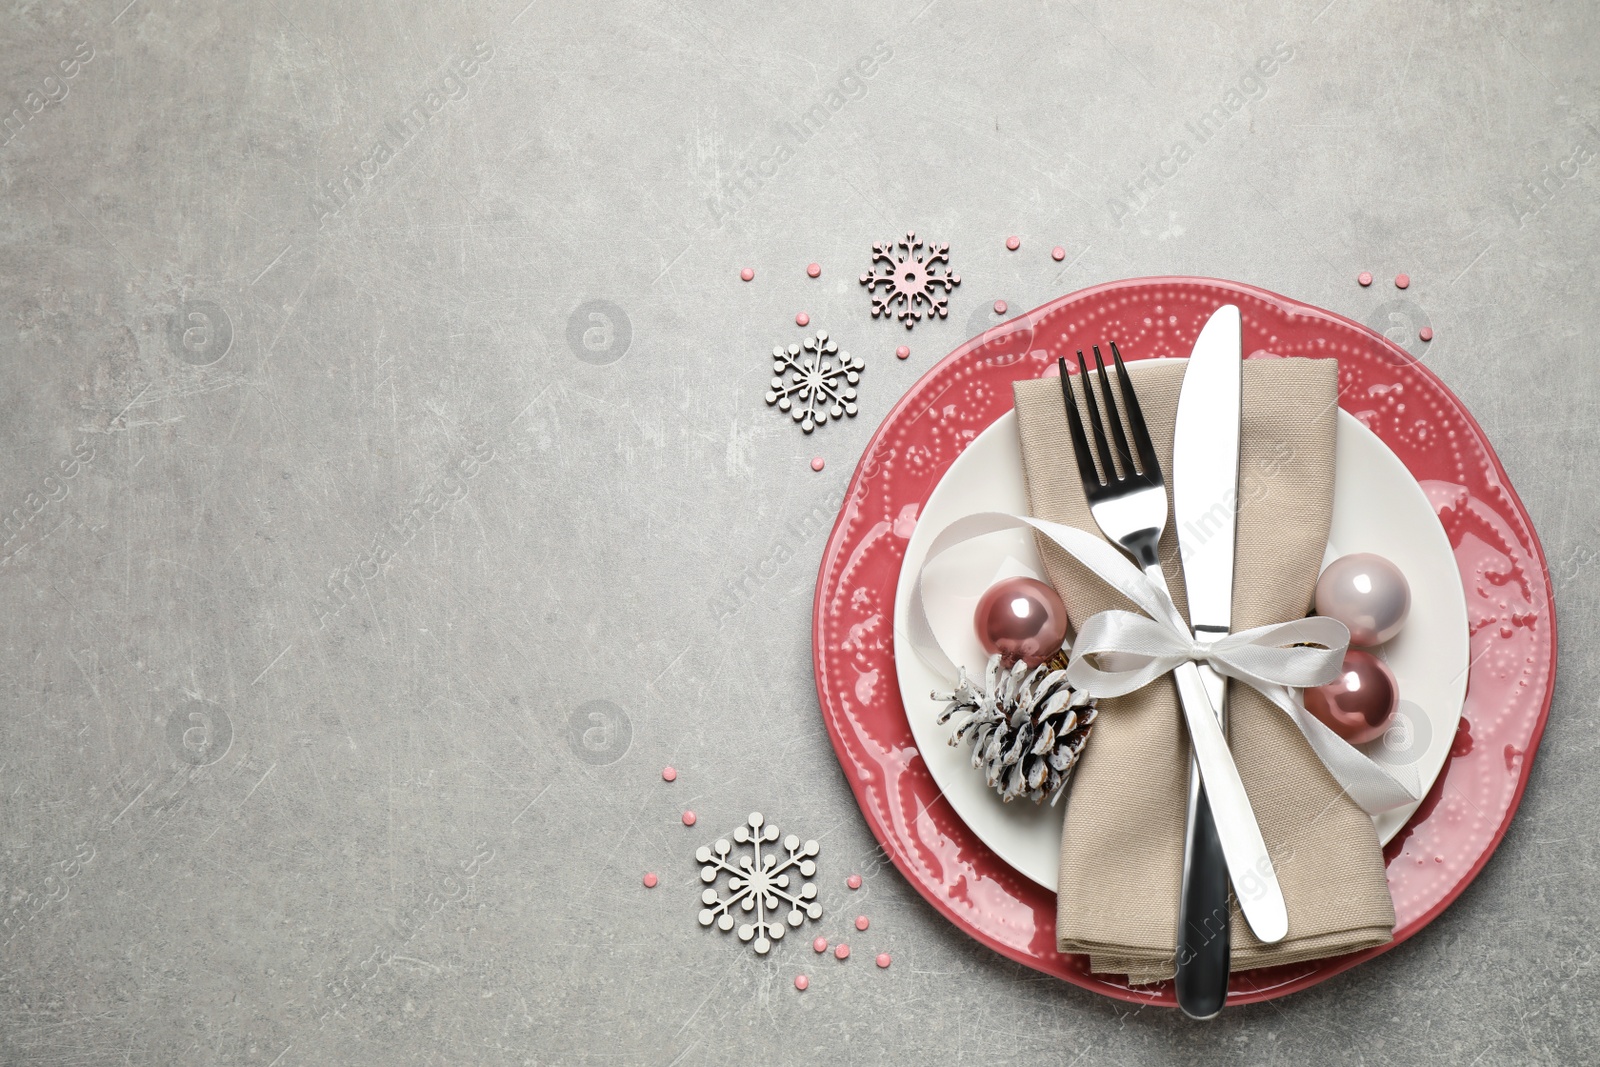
{"points": [[1510, 608]]}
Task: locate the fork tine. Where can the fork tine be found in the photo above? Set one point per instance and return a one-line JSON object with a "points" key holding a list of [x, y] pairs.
{"points": [[1124, 457], [1102, 448], [1080, 444], [1136, 424]]}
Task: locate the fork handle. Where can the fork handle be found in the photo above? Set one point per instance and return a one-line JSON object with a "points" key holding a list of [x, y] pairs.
{"points": [[1255, 883], [1204, 949]]}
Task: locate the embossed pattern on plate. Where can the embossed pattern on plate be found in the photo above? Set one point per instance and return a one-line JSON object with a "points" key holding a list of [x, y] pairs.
{"points": [[1504, 575]]}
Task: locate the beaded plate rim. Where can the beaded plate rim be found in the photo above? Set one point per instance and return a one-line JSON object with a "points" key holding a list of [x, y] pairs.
{"points": [[860, 729]]}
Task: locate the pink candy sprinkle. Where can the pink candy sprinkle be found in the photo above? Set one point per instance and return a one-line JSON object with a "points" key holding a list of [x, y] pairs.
{"points": [[814, 269], [747, 274], [854, 881], [668, 774], [688, 818], [801, 981], [818, 463], [650, 880], [820, 944], [1402, 281], [802, 319], [1426, 333], [1058, 253], [1013, 243], [902, 352], [842, 952], [883, 959], [1365, 277], [861, 922], [999, 307]]}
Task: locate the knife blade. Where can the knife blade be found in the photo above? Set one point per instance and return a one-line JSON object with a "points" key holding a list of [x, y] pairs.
{"points": [[1205, 470], [1205, 495]]}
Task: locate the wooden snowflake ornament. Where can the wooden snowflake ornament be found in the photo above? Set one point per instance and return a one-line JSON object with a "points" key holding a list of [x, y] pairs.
{"points": [[760, 884], [908, 282]]}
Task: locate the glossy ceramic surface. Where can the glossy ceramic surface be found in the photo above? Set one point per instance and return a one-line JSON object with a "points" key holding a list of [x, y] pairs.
{"points": [[1377, 507], [1503, 573]]}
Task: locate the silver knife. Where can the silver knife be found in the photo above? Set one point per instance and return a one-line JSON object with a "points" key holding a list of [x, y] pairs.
{"points": [[1205, 498]]}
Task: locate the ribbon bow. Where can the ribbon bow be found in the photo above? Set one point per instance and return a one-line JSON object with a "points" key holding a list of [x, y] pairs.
{"points": [[1275, 660]]}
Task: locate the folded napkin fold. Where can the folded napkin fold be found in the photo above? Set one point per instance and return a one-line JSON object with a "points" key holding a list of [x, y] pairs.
{"points": [[1122, 845]]}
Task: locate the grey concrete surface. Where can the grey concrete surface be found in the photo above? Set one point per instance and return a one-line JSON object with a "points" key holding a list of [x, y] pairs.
{"points": [[333, 514]]}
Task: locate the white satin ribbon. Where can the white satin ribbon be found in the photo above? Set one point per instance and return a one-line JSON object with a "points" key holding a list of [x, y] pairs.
{"points": [[1145, 647]]}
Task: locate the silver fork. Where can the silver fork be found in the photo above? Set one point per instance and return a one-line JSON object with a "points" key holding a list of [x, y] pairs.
{"points": [[1129, 503]]}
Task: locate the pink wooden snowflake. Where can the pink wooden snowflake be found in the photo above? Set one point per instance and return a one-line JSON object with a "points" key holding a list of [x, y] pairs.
{"points": [[908, 282]]}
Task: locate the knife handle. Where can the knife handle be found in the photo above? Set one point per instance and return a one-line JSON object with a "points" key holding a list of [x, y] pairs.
{"points": [[1249, 865], [1204, 922]]}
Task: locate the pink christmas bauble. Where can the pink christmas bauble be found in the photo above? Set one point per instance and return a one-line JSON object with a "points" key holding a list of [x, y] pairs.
{"points": [[1022, 619], [1360, 703], [1368, 594]]}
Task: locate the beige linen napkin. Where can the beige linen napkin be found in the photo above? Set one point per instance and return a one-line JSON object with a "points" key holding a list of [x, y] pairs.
{"points": [[1122, 846]]}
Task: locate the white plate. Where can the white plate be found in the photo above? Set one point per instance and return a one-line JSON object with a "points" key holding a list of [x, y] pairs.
{"points": [[1377, 507]]}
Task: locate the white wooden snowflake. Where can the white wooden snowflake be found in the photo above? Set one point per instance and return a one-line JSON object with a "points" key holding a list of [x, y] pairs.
{"points": [[759, 883], [904, 283], [820, 382]]}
